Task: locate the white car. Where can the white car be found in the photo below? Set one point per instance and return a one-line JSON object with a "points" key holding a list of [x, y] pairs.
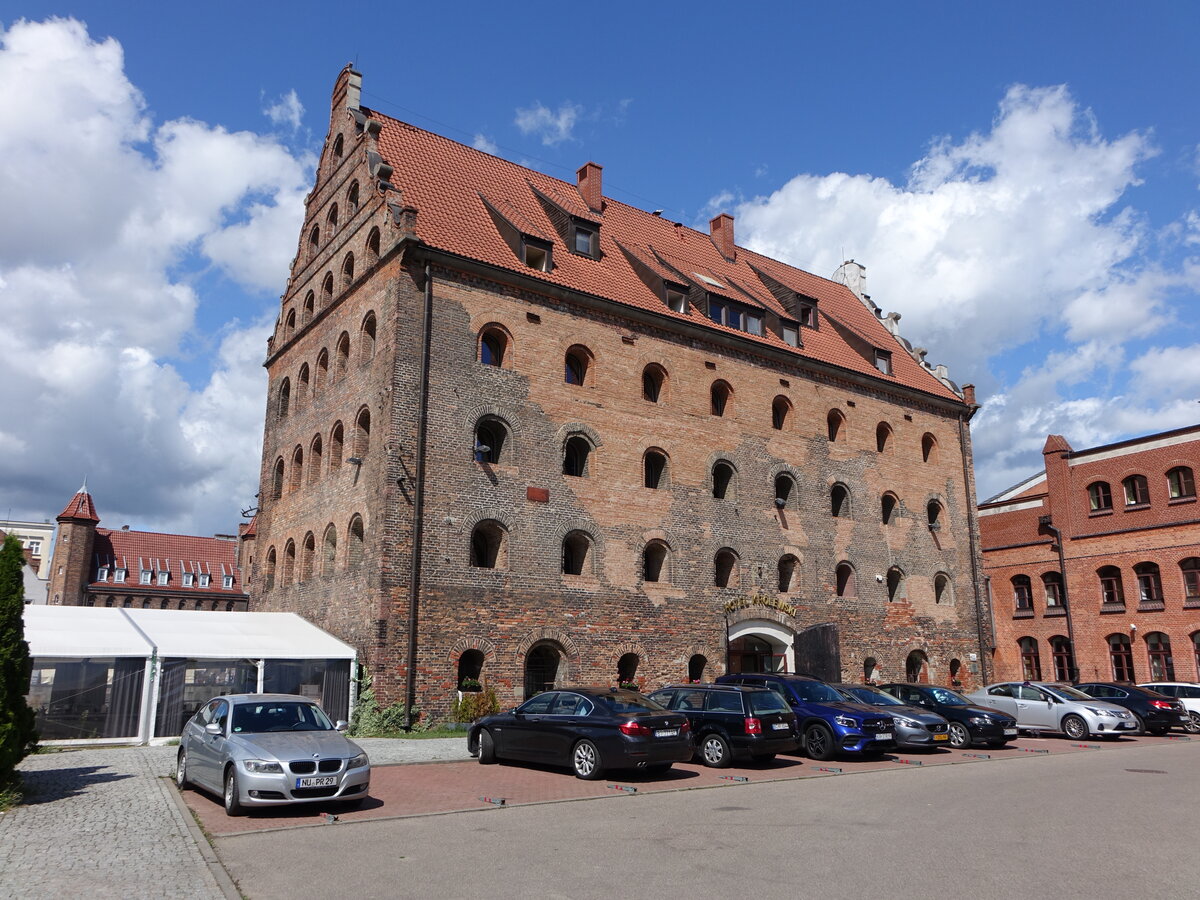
{"points": [[1186, 693], [1046, 706]]}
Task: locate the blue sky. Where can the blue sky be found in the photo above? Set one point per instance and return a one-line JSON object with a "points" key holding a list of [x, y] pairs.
{"points": [[1020, 180]]}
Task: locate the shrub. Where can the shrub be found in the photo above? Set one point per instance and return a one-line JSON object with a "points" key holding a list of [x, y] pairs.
{"points": [[476, 705]]}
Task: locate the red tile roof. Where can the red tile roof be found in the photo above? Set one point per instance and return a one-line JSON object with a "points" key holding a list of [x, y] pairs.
{"points": [[447, 182], [176, 554], [81, 508]]}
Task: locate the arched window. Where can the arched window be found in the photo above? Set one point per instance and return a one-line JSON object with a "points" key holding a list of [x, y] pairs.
{"points": [[883, 437], [314, 460], [929, 448], [835, 424], [696, 666], [491, 441], [1158, 649], [289, 562], [1022, 592], [1180, 483], [331, 220], [285, 398], [302, 379], [577, 454], [887, 508], [277, 480], [725, 569], [362, 433], [1031, 664], [1120, 653], [871, 672], [720, 398], [627, 667], [789, 573], [341, 359], [577, 553], [723, 482], [895, 584], [493, 347], [355, 541], [310, 306], [327, 290], [489, 545], [933, 515], [839, 499], [781, 412], [348, 271], [322, 374], [329, 550], [846, 580], [268, 572], [577, 365], [366, 339], [654, 382], [1064, 660], [314, 239], [655, 471], [1190, 570], [336, 441], [916, 668], [1052, 588], [943, 589], [338, 147], [352, 199], [1137, 490], [655, 562], [470, 670], [307, 551], [1099, 496], [1149, 582], [372, 254], [1112, 593], [297, 473], [785, 491]]}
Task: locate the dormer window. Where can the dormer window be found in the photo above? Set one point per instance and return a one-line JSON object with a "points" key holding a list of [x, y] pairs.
{"points": [[188, 579], [791, 335], [808, 315], [119, 576], [227, 582], [163, 577], [883, 361], [102, 575], [536, 254], [734, 315], [145, 576], [204, 579], [677, 300], [586, 240]]}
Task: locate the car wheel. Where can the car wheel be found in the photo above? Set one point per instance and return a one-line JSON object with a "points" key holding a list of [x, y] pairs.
{"points": [[585, 760], [233, 796], [818, 742], [1075, 728], [1192, 726], [714, 751], [181, 779], [1140, 723], [1159, 730], [960, 736], [487, 748]]}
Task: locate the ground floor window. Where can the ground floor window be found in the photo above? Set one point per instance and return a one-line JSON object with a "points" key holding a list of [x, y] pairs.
{"points": [[1121, 654], [89, 698], [696, 666], [1064, 660], [541, 669], [1158, 648], [1031, 665]]}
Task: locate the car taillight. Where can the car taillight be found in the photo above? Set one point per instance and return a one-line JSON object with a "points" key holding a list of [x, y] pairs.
{"points": [[1162, 704], [634, 729], [685, 727], [753, 725]]}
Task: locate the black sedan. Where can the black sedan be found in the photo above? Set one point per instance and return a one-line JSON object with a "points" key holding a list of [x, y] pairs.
{"points": [[1155, 713], [970, 723], [587, 729]]}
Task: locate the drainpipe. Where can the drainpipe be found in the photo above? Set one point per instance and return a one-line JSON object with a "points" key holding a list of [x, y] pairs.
{"points": [[414, 576], [972, 523], [1046, 523]]}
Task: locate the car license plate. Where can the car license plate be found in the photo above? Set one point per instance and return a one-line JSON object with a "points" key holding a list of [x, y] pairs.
{"points": [[883, 736], [667, 732], [1010, 732], [780, 726], [941, 737], [317, 781]]}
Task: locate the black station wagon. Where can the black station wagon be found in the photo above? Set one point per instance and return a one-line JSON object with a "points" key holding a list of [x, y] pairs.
{"points": [[731, 722]]}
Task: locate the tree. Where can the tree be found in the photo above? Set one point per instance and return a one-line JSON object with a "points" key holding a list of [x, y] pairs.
{"points": [[17, 733]]}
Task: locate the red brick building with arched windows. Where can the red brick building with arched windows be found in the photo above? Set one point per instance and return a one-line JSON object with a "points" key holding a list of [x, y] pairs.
{"points": [[1093, 564]]}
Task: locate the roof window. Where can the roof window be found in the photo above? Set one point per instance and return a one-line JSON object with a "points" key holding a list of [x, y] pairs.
{"points": [[163, 578], [102, 575], [883, 361], [586, 240], [677, 300], [119, 576], [204, 579], [188, 579], [227, 581], [536, 254], [734, 315], [145, 576]]}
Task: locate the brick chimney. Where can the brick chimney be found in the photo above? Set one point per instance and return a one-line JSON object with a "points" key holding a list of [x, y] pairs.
{"points": [[720, 230], [591, 187]]}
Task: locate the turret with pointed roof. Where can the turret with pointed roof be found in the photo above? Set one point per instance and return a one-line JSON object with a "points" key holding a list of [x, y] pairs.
{"points": [[73, 549]]}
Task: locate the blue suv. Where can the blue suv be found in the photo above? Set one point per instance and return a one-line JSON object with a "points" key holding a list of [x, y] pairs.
{"points": [[829, 724]]}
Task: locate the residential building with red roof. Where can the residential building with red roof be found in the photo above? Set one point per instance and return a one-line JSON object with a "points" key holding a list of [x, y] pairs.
{"points": [[95, 566], [1094, 563], [522, 432]]}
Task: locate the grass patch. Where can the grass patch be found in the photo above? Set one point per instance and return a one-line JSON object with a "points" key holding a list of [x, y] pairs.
{"points": [[11, 792]]}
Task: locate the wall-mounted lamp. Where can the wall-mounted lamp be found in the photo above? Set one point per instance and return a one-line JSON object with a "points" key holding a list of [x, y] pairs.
{"points": [[354, 461], [1133, 626]]}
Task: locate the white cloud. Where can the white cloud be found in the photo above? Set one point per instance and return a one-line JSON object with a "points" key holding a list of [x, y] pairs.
{"points": [[1172, 372], [100, 289], [486, 144], [1005, 242], [287, 110], [552, 126]]}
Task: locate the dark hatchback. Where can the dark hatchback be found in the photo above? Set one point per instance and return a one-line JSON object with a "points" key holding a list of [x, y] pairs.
{"points": [[970, 723], [586, 729], [1156, 713], [829, 723], [731, 722]]}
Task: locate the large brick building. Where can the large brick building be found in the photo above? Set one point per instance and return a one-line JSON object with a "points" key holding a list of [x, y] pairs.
{"points": [[1094, 563], [518, 429]]}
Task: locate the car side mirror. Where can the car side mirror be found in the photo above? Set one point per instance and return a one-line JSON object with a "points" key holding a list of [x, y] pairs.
{"points": [[341, 725], [214, 729]]}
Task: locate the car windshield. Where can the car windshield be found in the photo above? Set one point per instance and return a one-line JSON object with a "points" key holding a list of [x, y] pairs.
{"points": [[816, 692], [619, 704], [870, 697], [1066, 693], [279, 715], [949, 698]]}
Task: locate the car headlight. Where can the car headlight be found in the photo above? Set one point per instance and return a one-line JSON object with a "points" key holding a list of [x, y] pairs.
{"points": [[907, 723], [1100, 711], [262, 767], [358, 762], [979, 720], [845, 722]]}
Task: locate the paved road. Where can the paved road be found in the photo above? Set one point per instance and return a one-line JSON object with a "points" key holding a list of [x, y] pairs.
{"points": [[1110, 823]]}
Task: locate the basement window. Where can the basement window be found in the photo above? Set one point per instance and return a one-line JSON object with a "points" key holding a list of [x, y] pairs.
{"points": [[536, 254]]}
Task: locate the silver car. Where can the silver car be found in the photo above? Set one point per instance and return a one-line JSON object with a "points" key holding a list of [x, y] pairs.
{"points": [[1046, 706], [915, 727], [267, 750]]}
